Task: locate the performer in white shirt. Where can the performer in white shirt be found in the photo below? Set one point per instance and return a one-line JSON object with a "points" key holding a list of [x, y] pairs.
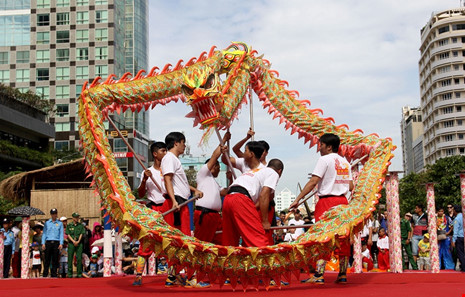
{"points": [[333, 176]]}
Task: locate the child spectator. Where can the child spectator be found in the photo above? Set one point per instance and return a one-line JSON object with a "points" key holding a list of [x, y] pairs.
{"points": [[423, 253], [64, 260], [36, 260], [162, 266], [291, 235], [93, 269], [367, 261], [383, 247]]}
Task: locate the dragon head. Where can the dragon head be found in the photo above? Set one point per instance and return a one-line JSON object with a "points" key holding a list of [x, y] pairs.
{"points": [[202, 88]]}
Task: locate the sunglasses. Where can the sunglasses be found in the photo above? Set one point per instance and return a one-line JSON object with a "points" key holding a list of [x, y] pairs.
{"points": [[450, 207]]}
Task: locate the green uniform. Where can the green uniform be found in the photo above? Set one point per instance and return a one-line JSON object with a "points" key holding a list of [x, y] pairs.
{"points": [[405, 228], [74, 230]]}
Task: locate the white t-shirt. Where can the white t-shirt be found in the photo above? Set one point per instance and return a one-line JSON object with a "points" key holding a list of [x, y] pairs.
{"points": [[254, 180], [366, 254], [211, 189], [366, 229], [36, 257], [374, 236], [383, 243], [171, 164], [335, 175], [290, 237], [298, 231], [243, 167], [153, 193]]}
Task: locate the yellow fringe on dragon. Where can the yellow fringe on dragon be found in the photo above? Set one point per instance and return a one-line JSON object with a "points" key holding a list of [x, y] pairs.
{"points": [[216, 104]]}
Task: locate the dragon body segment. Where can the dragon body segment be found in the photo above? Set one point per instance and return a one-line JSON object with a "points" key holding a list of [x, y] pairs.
{"points": [[216, 104]]}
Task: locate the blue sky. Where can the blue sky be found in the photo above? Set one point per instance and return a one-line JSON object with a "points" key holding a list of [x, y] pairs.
{"points": [[356, 60]]}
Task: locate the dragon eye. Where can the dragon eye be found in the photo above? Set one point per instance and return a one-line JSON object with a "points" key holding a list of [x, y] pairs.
{"points": [[210, 82], [186, 90]]}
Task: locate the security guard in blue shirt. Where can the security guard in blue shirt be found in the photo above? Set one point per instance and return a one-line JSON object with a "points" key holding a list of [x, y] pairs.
{"points": [[9, 246], [52, 242]]}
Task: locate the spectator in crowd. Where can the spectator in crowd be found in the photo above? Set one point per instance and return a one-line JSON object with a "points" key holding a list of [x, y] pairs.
{"points": [[279, 234], [94, 268], [374, 238], [283, 217], [63, 270], [383, 247], [75, 232], [451, 214], [296, 221], [64, 221], [162, 267], [444, 225], [423, 253], [52, 243], [86, 239], [129, 261], [382, 218], [367, 261], [420, 226], [16, 261], [406, 233], [8, 246], [37, 237], [97, 234], [367, 233], [36, 260], [291, 234], [457, 238]]}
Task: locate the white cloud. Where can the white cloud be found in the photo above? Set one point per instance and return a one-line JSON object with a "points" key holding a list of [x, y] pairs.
{"points": [[357, 60]]}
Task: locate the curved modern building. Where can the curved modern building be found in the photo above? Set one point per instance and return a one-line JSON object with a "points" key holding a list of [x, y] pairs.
{"points": [[442, 84]]}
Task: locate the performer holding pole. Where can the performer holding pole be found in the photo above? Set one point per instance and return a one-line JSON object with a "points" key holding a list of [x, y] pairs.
{"points": [[333, 176]]}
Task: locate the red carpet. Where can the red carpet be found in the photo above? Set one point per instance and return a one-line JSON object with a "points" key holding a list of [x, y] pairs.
{"points": [[410, 284]]}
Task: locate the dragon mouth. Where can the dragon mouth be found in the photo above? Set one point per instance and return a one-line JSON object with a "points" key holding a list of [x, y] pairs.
{"points": [[205, 110]]}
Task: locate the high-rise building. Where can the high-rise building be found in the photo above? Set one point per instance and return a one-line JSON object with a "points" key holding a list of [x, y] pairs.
{"points": [[53, 47], [412, 139], [284, 199], [442, 84]]}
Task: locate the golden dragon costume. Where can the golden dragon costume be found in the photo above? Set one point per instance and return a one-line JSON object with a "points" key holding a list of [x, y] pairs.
{"points": [[216, 104]]}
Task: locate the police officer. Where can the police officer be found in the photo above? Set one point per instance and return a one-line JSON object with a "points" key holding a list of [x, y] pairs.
{"points": [[75, 231], [52, 242], [9, 245]]}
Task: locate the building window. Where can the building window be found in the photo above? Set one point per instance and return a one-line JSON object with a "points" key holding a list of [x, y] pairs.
{"points": [[62, 36], [462, 150], [447, 96], [443, 29], [43, 19], [101, 53], [101, 2], [4, 58], [82, 17], [445, 83], [62, 3], [61, 145], [450, 152], [82, 72], [63, 18], [454, 40], [22, 75], [448, 124], [4, 76], [42, 74], [62, 110], [455, 53], [456, 81], [82, 35], [82, 2], [43, 37], [458, 27], [101, 70], [43, 56], [101, 34], [456, 67], [449, 137], [457, 94], [62, 73], [460, 136], [22, 57], [78, 90], [459, 122], [101, 16], [82, 54], [443, 42], [63, 54], [43, 92], [443, 56], [444, 69], [62, 127], [62, 92], [459, 108], [43, 3], [446, 110]]}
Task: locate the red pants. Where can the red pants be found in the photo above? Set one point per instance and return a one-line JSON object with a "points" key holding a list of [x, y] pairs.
{"points": [[240, 219], [368, 262], [185, 226], [16, 264], [269, 233], [323, 205], [206, 231], [383, 259]]}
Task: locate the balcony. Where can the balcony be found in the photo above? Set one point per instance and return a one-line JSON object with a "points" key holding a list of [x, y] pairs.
{"points": [[449, 130], [450, 144], [450, 74], [449, 88], [450, 60], [450, 46]]}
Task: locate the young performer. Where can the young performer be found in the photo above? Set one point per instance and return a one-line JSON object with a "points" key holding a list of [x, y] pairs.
{"points": [[207, 218], [157, 202], [333, 176], [178, 191], [240, 154], [240, 218]]}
